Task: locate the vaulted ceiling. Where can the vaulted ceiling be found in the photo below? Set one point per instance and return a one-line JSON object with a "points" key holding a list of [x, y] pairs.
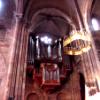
{"points": [[72, 10], [29, 7]]}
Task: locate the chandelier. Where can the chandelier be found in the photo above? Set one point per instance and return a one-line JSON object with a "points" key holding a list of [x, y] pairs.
{"points": [[81, 41]]}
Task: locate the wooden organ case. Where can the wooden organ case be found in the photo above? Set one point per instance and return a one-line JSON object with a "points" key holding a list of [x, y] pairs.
{"points": [[47, 66]]}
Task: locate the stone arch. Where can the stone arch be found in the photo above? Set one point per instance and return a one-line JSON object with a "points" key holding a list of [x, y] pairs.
{"points": [[32, 96], [49, 11], [61, 96]]}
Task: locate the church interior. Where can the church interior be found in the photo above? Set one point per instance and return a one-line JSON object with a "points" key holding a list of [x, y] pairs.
{"points": [[49, 50]]}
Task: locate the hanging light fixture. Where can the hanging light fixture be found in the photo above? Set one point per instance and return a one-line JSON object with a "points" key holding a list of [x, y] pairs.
{"points": [[81, 48]]}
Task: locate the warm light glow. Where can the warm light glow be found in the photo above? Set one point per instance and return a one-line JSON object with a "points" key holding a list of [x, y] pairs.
{"points": [[95, 24], [78, 52], [93, 97], [46, 40], [76, 36]]}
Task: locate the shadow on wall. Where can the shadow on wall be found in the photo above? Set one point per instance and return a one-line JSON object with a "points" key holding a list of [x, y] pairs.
{"points": [[82, 86]]}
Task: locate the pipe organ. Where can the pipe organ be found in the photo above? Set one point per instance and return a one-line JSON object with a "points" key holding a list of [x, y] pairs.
{"points": [[31, 45], [47, 62], [38, 50], [50, 60]]}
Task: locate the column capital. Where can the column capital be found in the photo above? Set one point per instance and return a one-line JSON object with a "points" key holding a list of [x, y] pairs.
{"points": [[18, 15]]}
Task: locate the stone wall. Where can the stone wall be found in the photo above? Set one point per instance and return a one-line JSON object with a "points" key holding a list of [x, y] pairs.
{"points": [[6, 42]]}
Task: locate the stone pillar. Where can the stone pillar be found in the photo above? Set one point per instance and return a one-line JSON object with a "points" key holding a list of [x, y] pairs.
{"points": [[12, 78], [21, 68], [89, 67], [17, 77]]}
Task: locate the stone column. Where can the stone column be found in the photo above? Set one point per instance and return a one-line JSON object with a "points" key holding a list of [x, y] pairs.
{"points": [[22, 64], [16, 80], [17, 77], [90, 68]]}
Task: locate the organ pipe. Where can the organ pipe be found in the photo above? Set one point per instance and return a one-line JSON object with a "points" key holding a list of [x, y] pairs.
{"points": [[37, 48], [49, 50], [29, 50], [59, 49], [32, 51]]}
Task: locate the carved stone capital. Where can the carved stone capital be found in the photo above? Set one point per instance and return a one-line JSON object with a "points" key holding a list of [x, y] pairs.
{"points": [[18, 16]]}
